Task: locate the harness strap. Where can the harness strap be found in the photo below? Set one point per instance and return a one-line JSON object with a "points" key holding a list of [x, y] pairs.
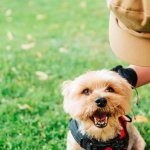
{"points": [[118, 143], [123, 123]]}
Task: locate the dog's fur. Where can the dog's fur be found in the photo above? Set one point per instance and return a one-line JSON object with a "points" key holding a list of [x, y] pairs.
{"points": [[80, 105]]}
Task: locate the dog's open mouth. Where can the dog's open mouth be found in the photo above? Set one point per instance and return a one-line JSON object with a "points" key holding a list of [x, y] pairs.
{"points": [[100, 119]]}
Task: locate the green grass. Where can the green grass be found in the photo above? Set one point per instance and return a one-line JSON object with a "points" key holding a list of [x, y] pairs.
{"points": [[67, 38]]}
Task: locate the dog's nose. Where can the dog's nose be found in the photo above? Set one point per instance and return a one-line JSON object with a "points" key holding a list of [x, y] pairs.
{"points": [[101, 102]]}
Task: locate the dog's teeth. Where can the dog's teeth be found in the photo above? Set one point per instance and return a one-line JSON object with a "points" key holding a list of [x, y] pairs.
{"points": [[95, 121], [101, 123]]}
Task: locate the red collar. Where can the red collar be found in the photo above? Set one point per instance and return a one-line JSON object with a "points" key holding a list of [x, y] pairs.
{"points": [[123, 132]]}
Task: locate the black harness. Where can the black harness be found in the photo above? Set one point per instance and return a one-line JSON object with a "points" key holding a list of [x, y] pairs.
{"points": [[118, 143]]}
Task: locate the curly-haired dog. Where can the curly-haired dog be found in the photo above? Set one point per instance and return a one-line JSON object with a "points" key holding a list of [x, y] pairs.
{"points": [[98, 102]]}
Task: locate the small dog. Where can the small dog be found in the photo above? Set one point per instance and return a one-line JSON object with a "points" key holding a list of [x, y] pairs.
{"points": [[97, 102]]}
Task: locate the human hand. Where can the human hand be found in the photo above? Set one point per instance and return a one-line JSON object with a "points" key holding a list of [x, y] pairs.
{"points": [[128, 73]]}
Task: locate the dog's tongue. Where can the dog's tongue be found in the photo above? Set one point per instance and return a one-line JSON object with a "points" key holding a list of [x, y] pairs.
{"points": [[100, 117]]}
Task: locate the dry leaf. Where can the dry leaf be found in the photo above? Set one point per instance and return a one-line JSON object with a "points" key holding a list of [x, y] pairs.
{"points": [[10, 35], [63, 50], [24, 106], [41, 75], [8, 12], [141, 119], [27, 46], [30, 37], [40, 17], [38, 55], [83, 5]]}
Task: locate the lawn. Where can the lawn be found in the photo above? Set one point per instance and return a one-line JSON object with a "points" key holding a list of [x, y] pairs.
{"points": [[43, 43]]}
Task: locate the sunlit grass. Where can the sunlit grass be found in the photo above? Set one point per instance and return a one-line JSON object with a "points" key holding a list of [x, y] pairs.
{"points": [[60, 39]]}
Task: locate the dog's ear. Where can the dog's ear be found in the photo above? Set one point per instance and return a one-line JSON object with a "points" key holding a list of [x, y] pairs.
{"points": [[65, 87]]}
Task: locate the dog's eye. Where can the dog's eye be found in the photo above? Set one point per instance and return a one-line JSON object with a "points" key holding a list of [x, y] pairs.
{"points": [[110, 89], [86, 91]]}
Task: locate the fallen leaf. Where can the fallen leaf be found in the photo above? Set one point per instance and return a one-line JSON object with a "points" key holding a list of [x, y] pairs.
{"points": [[27, 46], [24, 106], [83, 5], [63, 50], [41, 75], [30, 37], [40, 17], [10, 36], [139, 118], [38, 55], [8, 12]]}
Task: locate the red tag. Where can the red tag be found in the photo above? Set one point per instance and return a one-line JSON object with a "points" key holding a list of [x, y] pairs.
{"points": [[108, 148]]}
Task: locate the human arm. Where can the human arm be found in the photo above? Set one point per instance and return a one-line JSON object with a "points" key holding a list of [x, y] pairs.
{"points": [[143, 75], [135, 75]]}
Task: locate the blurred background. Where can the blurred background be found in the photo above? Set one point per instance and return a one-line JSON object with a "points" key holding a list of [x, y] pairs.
{"points": [[43, 43]]}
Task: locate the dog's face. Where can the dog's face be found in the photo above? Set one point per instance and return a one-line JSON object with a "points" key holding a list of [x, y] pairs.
{"points": [[97, 98]]}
